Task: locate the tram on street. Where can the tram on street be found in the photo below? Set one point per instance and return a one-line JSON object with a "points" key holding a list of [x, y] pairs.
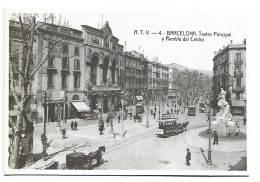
{"points": [[191, 111], [169, 126], [202, 107]]}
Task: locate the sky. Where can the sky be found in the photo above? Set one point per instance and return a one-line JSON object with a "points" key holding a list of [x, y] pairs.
{"points": [[191, 54]]}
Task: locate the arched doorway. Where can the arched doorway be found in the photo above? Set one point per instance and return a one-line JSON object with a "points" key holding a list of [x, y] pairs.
{"points": [[105, 69], [93, 69], [113, 70]]}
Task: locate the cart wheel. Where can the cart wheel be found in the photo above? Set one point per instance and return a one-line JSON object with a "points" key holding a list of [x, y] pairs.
{"points": [[76, 168]]}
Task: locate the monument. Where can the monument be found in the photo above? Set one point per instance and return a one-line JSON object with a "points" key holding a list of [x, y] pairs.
{"points": [[223, 123]]}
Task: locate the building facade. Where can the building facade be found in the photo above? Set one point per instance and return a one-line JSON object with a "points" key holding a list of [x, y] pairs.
{"points": [[103, 62], [60, 76], [136, 75], [230, 74]]}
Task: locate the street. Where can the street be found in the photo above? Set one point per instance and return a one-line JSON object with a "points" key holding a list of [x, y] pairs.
{"points": [[140, 148], [168, 153]]}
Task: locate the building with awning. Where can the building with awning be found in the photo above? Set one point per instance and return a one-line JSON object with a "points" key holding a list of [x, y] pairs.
{"points": [[80, 106]]}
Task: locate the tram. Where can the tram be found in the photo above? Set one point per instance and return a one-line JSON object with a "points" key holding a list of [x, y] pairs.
{"points": [[169, 126]]}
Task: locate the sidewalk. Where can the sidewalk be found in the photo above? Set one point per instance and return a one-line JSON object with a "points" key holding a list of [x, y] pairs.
{"points": [[192, 138]]}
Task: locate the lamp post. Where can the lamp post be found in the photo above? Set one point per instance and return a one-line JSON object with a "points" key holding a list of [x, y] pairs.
{"points": [[43, 136], [64, 110], [210, 133], [147, 123]]}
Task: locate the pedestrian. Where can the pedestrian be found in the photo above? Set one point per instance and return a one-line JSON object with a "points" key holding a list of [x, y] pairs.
{"points": [[155, 109], [118, 117], [63, 131], [244, 120], [131, 114], [168, 112], [215, 135], [101, 126], [75, 125], [237, 129], [72, 125], [188, 157], [171, 110], [107, 120], [154, 114]]}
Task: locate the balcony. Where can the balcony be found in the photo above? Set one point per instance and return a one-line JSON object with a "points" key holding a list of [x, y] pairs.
{"points": [[104, 88], [238, 62], [238, 74], [238, 89]]}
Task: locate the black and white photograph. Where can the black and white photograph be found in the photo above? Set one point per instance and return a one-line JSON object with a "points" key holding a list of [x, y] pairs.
{"points": [[100, 92]]}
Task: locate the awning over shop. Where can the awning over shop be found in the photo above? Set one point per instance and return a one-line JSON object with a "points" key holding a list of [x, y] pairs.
{"points": [[81, 106], [238, 103]]}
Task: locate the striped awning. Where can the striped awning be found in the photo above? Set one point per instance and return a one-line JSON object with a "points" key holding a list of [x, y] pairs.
{"points": [[81, 106]]}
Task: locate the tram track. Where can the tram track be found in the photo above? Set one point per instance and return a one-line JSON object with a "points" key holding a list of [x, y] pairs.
{"points": [[136, 138]]}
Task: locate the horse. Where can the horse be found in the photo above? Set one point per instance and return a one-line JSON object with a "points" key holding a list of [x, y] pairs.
{"points": [[96, 156]]}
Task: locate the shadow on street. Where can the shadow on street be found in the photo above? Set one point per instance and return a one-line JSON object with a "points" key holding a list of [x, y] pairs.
{"points": [[240, 166]]}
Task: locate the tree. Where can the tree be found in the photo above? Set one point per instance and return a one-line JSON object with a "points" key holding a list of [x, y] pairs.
{"points": [[24, 29]]}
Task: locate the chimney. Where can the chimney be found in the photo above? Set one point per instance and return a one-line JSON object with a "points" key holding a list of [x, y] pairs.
{"points": [[244, 41], [231, 42], [215, 53]]}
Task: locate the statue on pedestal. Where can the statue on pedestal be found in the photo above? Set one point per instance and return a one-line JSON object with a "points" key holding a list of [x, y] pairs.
{"points": [[223, 123], [224, 112]]}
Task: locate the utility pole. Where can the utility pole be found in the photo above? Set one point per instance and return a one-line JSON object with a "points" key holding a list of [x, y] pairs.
{"points": [[210, 133], [147, 123]]}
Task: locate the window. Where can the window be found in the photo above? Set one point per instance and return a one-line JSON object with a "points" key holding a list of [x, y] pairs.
{"points": [[76, 81], [238, 56], [65, 63], [65, 49], [50, 80], [238, 81], [76, 64], [51, 62], [238, 96], [76, 51], [64, 81]]}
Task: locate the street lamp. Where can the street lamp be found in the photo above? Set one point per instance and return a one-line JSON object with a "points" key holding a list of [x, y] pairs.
{"points": [[43, 137], [64, 110], [210, 132]]}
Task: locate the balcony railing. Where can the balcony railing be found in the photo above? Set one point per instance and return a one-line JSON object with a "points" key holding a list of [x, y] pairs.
{"points": [[238, 89], [105, 88]]}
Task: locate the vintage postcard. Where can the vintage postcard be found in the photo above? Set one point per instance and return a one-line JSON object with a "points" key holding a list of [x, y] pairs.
{"points": [[136, 93]]}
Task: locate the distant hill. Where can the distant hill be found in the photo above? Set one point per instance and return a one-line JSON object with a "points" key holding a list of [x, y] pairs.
{"points": [[181, 68], [176, 66], [205, 72]]}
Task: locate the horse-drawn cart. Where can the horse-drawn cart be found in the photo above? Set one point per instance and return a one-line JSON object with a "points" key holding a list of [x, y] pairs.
{"points": [[81, 161]]}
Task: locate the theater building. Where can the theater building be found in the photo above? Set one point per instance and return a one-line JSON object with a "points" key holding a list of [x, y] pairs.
{"points": [[102, 58]]}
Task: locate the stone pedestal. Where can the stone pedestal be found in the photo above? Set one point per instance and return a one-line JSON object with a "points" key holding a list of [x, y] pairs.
{"points": [[222, 128]]}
